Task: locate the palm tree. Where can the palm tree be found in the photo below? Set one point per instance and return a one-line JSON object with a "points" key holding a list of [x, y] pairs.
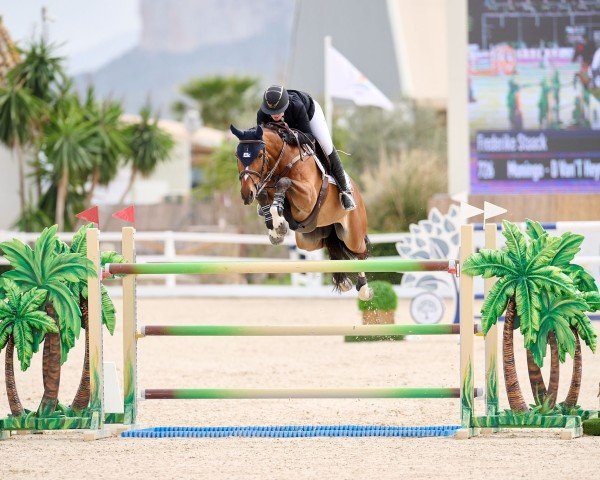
{"points": [[19, 113], [41, 70], [80, 291], [523, 273], [22, 325], [564, 320], [149, 144], [109, 142], [555, 329], [68, 147], [42, 73], [222, 100], [43, 267]]}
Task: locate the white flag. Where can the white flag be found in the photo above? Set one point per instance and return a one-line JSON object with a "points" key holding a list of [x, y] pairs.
{"points": [[346, 81]]}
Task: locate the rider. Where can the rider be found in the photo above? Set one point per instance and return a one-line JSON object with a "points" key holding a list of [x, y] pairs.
{"points": [[300, 111]]}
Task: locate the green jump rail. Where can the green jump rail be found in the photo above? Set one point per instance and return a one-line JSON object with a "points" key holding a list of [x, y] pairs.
{"points": [[300, 330], [283, 393], [261, 266]]}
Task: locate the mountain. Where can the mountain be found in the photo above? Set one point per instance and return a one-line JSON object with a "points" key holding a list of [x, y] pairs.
{"points": [[99, 55], [181, 40]]}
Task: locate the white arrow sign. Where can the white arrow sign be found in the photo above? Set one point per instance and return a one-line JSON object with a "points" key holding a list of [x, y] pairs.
{"points": [[460, 197], [468, 211], [490, 210]]}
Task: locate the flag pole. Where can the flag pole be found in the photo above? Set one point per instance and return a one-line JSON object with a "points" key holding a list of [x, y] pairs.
{"points": [[326, 94]]}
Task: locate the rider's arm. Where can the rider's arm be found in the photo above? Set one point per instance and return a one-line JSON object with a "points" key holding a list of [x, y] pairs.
{"points": [[302, 121], [262, 117]]}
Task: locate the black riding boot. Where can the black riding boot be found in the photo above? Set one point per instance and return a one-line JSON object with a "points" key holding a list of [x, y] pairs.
{"points": [[337, 170]]}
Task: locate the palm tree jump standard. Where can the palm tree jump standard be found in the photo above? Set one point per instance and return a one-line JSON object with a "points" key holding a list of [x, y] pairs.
{"points": [[547, 297], [45, 298]]}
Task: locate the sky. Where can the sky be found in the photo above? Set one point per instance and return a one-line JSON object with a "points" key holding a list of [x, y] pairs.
{"points": [[90, 32]]}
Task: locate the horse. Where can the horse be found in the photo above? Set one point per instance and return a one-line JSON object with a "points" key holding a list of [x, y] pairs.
{"points": [[294, 192]]}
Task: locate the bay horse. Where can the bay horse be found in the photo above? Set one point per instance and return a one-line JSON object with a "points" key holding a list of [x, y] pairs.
{"points": [[294, 192]]}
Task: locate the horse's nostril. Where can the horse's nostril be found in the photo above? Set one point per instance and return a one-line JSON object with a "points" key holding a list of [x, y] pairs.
{"points": [[248, 198]]}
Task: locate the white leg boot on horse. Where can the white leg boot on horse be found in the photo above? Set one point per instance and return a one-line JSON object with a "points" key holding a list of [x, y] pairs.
{"points": [[264, 210], [280, 224], [365, 292]]}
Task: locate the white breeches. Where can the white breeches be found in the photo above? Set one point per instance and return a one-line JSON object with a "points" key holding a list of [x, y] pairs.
{"points": [[319, 128]]}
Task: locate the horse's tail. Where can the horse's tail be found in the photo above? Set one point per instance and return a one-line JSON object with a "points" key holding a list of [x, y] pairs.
{"points": [[339, 251]]}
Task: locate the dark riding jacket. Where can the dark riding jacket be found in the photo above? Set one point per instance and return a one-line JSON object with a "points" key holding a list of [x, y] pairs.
{"points": [[298, 114]]}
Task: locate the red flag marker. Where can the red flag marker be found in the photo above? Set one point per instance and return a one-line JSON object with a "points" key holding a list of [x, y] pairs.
{"points": [[127, 214], [89, 215]]}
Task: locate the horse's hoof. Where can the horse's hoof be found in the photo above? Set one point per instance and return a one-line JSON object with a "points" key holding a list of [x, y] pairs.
{"points": [[282, 228], [365, 293], [345, 285], [274, 238]]}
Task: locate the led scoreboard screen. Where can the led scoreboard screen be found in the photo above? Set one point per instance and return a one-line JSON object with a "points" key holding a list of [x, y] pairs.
{"points": [[536, 160], [534, 97]]}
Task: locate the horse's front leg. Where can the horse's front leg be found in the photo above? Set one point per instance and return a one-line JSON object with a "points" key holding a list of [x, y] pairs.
{"points": [[280, 225], [264, 208]]}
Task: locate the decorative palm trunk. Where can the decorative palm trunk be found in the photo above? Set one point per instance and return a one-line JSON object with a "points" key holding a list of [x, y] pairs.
{"points": [[130, 185], [554, 370], [9, 374], [538, 387], [21, 162], [82, 397], [50, 368], [95, 180], [134, 172], [513, 390], [573, 393], [61, 199]]}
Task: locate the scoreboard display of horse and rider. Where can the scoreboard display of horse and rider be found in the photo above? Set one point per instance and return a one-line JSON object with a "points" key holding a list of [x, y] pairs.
{"points": [[534, 101]]}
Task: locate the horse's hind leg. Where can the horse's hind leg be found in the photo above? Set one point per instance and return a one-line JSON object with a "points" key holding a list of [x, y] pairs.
{"points": [[356, 242], [364, 291], [338, 251]]}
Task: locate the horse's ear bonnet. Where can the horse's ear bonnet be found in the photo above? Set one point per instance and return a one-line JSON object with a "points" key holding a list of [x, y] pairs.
{"points": [[247, 152]]}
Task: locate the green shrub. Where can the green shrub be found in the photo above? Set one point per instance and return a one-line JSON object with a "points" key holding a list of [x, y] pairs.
{"points": [[592, 427], [384, 297], [397, 189]]}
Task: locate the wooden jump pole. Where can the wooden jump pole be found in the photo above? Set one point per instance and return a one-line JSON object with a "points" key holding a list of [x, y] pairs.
{"points": [[491, 338], [492, 401], [129, 330], [467, 321], [97, 429]]}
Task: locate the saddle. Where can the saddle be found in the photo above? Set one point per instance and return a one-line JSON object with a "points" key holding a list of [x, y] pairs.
{"points": [[295, 137], [308, 148]]}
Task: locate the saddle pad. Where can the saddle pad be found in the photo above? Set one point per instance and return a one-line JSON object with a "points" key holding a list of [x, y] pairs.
{"points": [[330, 178]]}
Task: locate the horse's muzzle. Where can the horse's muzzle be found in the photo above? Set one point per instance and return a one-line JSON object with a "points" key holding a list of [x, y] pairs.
{"points": [[248, 198]]}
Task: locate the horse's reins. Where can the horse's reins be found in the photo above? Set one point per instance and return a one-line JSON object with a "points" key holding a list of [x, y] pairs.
{"points": [[262, 183]]}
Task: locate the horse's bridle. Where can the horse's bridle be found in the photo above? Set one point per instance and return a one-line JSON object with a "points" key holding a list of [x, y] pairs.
{"points": [[262, 182]]}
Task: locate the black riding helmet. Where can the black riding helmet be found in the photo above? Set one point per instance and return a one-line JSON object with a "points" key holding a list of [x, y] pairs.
{"points": [[275, 100]]}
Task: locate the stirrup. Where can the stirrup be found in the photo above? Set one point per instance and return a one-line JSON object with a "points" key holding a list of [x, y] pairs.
{"points": [[347, 201]]}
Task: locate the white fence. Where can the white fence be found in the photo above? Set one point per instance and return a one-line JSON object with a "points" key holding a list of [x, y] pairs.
{"points": [[167, 242], [308, 285]]}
